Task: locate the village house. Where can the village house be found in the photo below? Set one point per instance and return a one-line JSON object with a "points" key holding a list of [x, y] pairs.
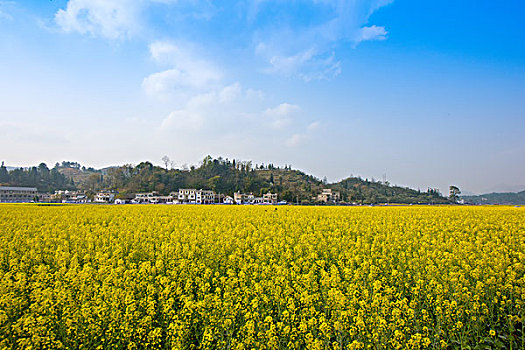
{"points": [[144, 198], [17, 194], [80, 198], [243, 198], [164, 199], [45, 197], [67, 196], [270, 198], [239, 198], [104, 197], [228, 200], [329, 196], [152, 198], [193, 196]]}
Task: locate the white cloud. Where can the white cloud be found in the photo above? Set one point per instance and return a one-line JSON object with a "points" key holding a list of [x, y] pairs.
{"points": [[295, 140], [117, 19], [186, 120], [165, 1], [188, 72], [252, 94], [225, 114], [282, 110], [306, 65], [376, 4], [289, 64], [206, 110], [308, 51], [193, 88], [281, 116], [230, 93], [112, 19], [5, 9], [299, 138], [162, 51], [32, 133], [161, 83], [291, 48], [371, 33], [197, 84], [313, 126]]}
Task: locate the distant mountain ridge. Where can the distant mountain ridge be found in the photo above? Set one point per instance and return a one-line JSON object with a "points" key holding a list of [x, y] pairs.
{"points": [[509, 198]]}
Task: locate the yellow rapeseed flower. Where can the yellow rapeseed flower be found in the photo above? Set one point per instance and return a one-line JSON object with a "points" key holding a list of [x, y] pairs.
{"points": [[252, 277]]}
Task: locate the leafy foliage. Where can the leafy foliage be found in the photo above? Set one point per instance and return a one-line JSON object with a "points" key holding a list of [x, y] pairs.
{"points": [[228, 176], [369, 192], [40, 177], [509, 198]]}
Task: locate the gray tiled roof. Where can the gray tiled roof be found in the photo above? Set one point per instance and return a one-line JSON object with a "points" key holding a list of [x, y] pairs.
{"points": [[6, 188]]}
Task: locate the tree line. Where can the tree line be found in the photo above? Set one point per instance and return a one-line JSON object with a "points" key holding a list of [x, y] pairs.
{"points": [[224, 176], [41, 177]]}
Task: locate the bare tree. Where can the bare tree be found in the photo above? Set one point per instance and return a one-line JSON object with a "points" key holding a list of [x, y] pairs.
{"points": [[166, 160]]}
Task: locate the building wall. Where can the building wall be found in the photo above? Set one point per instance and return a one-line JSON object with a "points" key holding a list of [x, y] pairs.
{"points": [[17, 194], [329, 196], [196, 196], [104, 197], [270, 198]]}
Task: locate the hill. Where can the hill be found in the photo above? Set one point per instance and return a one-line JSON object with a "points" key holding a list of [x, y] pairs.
{"points": [[509, 198], [223, 176], [368, 192]]}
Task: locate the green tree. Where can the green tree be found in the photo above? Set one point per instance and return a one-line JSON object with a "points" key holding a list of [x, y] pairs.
{"points": [[4, 174], [212, 182], [454, 193]]}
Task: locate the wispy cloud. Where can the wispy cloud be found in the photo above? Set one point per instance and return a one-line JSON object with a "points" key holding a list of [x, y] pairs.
{"points": [[308, 65], [281, 116], [209, 105], [119, 19], [202, 97], [188, 72], [224, 113], [5, 10], [223, 109], [31, 134], [291, 46], [302, 137], [371, 33], [113, 19], [184, 120], [308, 50]]}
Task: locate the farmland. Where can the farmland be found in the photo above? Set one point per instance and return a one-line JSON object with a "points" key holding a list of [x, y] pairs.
{"points": [[237, 277]]}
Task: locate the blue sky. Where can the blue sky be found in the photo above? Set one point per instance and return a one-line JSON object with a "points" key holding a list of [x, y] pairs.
{"points": [[428, 93]]}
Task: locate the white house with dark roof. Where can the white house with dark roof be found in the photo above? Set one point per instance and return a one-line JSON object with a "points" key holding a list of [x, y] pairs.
{"points": [[193, 196], [104, 197]]}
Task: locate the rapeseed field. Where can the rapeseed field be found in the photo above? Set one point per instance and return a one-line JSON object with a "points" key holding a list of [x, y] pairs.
{"points": [[261, 277]]}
